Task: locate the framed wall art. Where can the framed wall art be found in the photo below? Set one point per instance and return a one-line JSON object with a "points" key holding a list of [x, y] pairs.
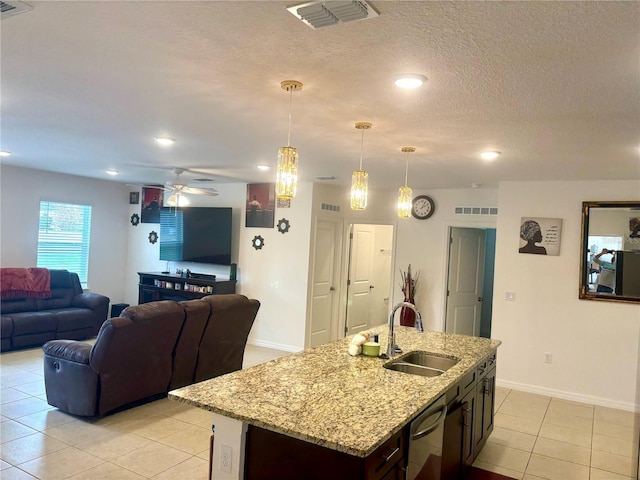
{"points": [[260, 205], [540, 236], [134, 198], [151, 203]]}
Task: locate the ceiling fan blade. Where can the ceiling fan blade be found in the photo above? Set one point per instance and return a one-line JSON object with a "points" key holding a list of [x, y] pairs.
{"points": [[159, 187], [200, 191]]}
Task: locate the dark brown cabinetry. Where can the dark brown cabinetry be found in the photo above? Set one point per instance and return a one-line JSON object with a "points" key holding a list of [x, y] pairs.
{"points": [[470, 407], [159, 286], [272, 455]]}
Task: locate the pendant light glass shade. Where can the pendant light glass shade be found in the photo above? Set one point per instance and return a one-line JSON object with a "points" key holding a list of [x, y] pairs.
{"points": [[405, 194], [287, 166], [360, 178], [177, 200], [359, 190], [287, 172]]}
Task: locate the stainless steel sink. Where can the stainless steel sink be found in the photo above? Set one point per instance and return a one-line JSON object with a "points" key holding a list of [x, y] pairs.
{"points": [[422, 363]]}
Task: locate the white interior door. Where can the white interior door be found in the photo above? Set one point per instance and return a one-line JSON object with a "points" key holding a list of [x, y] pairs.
{"points": [[359, 281], [464, 285], [324, 301], [369, 276]]}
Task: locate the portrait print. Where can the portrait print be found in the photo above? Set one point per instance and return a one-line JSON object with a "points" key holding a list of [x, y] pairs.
{"points": [[151, 203], [260, 205], [540, 236]]}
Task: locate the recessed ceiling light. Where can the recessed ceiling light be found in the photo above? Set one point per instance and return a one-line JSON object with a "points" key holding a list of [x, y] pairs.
{"points": [[111, 171], [410, 81], [489, 155], [263, 167], [165, 141], [4, 154]]}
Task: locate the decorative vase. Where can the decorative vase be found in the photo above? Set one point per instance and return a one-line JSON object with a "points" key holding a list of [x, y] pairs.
{"points": [[408, 316]]}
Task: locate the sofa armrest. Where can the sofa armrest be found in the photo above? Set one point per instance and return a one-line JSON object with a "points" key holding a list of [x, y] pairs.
{"points": [[68, 350], [90, 300]]}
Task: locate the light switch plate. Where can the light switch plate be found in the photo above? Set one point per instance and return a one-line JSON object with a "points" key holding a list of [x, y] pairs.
{"points": [[510, 296]]}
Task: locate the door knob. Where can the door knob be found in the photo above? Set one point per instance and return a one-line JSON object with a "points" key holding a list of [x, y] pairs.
{"points": [[371, 286], [332, 289], [479, 299]]}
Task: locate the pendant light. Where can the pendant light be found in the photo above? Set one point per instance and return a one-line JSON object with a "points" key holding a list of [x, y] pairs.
{"points": [[287, 169], [360, 178], [405, 193]]}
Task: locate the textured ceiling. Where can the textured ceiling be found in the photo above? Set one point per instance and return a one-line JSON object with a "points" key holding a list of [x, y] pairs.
{"points": [[554, 86]]}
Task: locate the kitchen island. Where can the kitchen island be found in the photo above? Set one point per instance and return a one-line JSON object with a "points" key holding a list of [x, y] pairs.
{"points": [[324, 397]]}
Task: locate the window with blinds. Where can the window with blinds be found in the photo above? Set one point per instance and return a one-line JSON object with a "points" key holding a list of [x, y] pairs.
{"points": [[63, 238]]}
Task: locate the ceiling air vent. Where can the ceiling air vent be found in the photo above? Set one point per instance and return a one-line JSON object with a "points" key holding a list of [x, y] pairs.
{"points": [[325, 14], [9, 9]]}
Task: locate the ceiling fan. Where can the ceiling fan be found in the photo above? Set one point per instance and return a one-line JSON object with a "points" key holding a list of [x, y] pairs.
{"points": [[178, 187]]}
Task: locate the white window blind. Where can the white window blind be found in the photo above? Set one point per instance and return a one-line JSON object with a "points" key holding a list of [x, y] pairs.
{"points": [[63, 238]]}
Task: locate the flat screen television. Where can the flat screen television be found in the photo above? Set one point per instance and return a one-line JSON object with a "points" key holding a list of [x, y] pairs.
{"points": [[196, 234]]}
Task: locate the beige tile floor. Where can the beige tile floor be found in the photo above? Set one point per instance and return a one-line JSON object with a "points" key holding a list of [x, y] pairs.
{"points": [[160, 440], [538, 437], [535, 437]]}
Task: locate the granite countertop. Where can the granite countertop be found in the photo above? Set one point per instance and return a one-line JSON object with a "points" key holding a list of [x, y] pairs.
{"points": [[324, 396]]}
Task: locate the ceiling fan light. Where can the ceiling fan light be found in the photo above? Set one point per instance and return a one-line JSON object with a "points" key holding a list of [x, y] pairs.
{"points": [[287, 172], [177, 200], [359, 190]]}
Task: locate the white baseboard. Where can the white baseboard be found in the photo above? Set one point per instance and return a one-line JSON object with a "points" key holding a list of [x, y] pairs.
{"points": [[574, 397], [275, 346]]}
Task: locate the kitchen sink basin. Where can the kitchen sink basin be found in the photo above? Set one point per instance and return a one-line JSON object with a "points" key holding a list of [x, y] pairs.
{"points": [[422, 363]]}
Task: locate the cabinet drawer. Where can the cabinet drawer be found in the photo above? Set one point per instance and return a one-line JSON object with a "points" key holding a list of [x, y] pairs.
{"points": [[468, 382], [385, 457]]}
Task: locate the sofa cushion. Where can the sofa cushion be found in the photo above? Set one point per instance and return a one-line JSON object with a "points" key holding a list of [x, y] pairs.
{"points": [[73, 318], [19, 305], [64, 286], [26, 323], [185, 354], [6, 326]]}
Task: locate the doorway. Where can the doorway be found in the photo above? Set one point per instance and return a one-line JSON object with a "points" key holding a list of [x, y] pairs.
{"points": [[469, 301], [369, 261]]}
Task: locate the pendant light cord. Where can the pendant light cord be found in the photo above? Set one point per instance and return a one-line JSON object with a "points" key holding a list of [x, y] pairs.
{"points": [[406, 171], [290, 102], [361, 147]]}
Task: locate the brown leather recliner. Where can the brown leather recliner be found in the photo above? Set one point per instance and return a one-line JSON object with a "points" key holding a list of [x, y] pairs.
{"points": [[131, 359], [148, 350]]}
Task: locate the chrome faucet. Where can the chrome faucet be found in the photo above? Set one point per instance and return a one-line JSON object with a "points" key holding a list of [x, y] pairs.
{"points": [[391, 344]]}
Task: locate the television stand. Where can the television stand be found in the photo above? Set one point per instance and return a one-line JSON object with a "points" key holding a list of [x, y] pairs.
{"points": [[154, 286]]}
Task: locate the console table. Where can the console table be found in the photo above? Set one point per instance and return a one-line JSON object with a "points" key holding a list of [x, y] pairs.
{"points": [[155, 286]]}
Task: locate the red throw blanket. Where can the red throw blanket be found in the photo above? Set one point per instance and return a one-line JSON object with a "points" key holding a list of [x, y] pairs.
{"points": [[24, 283]]}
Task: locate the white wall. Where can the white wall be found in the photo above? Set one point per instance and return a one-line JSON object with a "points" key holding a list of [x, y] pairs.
{"points": [[20, 195], [424, 245], [594, 344]]}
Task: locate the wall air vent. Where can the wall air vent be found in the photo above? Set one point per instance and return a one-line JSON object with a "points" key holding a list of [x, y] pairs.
{"points": [[327, 13], [12, 8], [475, 210]]}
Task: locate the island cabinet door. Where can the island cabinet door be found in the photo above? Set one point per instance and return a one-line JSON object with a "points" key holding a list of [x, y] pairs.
{"points": [[483, 418], [270, 455]]}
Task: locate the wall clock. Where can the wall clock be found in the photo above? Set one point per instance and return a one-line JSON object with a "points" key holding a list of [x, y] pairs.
{"points": [[422, 207]]}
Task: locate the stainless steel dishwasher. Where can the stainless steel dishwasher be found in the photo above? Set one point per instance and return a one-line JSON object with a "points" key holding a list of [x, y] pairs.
{"points": [[425, 442]]}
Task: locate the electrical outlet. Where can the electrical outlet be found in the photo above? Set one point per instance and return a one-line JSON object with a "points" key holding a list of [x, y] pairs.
{"points": [[225, 458], [547, 357]]}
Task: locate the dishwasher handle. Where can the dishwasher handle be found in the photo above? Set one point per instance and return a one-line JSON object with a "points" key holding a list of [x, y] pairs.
{"points": [[442, 409]]}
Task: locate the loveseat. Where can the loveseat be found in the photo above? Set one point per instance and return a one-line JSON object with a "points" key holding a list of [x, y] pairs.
{"points": [[150, 349], [67, 312]]}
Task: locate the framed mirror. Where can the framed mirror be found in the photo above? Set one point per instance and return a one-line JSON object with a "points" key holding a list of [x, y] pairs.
{"points": [[610, 251]]}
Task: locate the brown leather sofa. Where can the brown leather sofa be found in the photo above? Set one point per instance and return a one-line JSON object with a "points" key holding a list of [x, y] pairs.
{"points": [[150, 349], [68, 313]]}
